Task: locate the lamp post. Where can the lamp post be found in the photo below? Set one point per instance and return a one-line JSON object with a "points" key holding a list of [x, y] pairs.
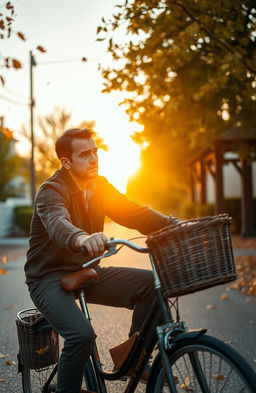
{"points": [[32, 104]]}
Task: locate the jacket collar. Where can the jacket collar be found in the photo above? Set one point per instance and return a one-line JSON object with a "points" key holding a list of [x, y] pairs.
{"points": [[69, 181], [72, 184]]}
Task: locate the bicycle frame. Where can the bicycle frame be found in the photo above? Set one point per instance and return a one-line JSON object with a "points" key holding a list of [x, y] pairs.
{"points": [[158, 323]]}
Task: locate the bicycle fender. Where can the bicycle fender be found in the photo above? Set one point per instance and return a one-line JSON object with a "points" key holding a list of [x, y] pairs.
{"points": [[188, 334]]}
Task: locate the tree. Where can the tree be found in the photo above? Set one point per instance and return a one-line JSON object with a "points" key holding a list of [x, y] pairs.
{"points": [[7, 19], [50, 128], [9, 164], [189, 68]]}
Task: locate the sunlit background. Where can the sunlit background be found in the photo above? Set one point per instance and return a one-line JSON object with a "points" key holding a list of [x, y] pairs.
{"points": [[68, 32]]}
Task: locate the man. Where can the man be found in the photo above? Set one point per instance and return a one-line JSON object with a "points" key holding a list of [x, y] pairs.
{"points": [[69, 213]]}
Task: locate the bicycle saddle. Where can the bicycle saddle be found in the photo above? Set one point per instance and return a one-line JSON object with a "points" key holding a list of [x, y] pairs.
{"points": [[73, 281]]}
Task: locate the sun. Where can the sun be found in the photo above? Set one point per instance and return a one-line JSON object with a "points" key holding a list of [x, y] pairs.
{"points": [[120, 161]]}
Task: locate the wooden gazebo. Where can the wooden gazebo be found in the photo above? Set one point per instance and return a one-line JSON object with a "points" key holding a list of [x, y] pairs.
{"points": [[212, 160]]}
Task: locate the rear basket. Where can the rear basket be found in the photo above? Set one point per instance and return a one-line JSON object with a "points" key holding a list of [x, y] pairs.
{"points": [[38, 341], [193, 255]]}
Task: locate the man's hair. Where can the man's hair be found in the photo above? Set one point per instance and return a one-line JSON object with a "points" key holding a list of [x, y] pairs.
{"points": [[63, 145]]}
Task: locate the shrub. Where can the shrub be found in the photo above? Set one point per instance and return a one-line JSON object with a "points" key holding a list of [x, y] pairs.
{"points": [[22, 218], [194, 209]]}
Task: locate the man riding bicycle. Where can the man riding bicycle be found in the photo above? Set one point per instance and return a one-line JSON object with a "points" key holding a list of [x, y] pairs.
{"points": [[69, 212]]}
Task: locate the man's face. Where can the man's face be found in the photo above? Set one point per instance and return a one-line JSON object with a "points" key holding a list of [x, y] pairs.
{"points": [[84, 159]]}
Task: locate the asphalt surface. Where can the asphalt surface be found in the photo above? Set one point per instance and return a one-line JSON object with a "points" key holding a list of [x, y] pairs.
{"points": [[231, 317]]}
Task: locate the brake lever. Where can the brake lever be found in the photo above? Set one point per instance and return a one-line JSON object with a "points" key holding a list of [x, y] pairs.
{"points": [[112, 250]]}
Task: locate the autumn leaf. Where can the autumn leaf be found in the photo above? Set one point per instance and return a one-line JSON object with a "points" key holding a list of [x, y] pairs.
{"points": [[42, 351], [219, 377], [9, 307], [4, 259], [1, 380], [84, 59], [186, 384], [210, 307], [4, 272], [21, 36], [16, 64], [2, 355], [10, 362], [224, 296], [9, 6], [40, 48]]}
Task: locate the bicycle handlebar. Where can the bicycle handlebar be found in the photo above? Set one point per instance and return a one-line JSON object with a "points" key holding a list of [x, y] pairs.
{"points": [[111, 247], [128, 243]]}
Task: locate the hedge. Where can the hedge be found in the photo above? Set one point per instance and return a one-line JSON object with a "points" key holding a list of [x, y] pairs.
{"points": [[22, 218]]}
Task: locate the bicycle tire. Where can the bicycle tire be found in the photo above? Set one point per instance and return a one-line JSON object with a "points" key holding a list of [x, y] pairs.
{"points": [[224, 370], [33, 381]]}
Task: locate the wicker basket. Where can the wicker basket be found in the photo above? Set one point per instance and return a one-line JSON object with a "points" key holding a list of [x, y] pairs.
{"points": [[38, 341], [193, 255]]}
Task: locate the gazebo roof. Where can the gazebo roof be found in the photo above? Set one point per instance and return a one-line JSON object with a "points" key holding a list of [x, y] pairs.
{"points": [[238, 134], [227, 141]]}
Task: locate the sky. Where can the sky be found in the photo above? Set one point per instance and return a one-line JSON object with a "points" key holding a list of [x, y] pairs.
{"points": [[67, 30]]}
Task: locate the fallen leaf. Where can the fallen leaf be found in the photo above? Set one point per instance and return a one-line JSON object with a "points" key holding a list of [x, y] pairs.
{"points": [[40, 48], [186, 384], [9, 307], [1, 380], [41, 351], [228, 342], [84, 59], [10, 362], [219, 377], [2, 355], [224, 296], [210, 307], [4, 259], [4, 272], [183, 386]]}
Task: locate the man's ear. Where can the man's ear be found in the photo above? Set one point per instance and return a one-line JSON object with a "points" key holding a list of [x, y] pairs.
{"points": [[65, 162]]}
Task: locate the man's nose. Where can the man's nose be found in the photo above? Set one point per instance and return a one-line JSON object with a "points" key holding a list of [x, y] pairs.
{"points": [[94, 157]]}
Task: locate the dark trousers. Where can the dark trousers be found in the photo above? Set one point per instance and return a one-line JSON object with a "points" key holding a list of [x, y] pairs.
{"points": [[117, 287]]}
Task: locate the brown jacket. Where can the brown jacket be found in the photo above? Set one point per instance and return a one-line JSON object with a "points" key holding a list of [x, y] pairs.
{"points": [[60, 216]]}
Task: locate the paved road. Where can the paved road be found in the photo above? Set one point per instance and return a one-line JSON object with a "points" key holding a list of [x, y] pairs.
{"points": [[232, 319]]}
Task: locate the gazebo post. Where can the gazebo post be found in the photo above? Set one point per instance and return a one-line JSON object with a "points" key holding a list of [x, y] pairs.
{"points": [[202, 182], [219, 194], [248, 228], [191, 184]]}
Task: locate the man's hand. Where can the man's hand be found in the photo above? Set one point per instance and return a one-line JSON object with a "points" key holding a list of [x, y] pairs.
{"points": [[95, 243]]}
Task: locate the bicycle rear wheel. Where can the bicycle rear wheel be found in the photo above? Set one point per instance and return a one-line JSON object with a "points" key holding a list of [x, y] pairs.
{"points": [[45, 380], [205, 365]]}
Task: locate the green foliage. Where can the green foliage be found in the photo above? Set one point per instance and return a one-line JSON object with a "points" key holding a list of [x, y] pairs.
{"points": [[22, 218], [189, 70], [193, 210], [9, 166]]}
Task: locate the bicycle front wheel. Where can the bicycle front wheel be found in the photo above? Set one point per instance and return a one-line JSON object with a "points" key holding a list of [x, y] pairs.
{"points": [[205, 365], [44, 380]]}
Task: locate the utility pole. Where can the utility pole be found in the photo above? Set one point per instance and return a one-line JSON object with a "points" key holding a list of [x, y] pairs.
{"points": [[32, 105]]}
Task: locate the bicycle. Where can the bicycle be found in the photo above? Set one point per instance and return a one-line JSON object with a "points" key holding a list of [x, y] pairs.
{"points": [[186, 360]]}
